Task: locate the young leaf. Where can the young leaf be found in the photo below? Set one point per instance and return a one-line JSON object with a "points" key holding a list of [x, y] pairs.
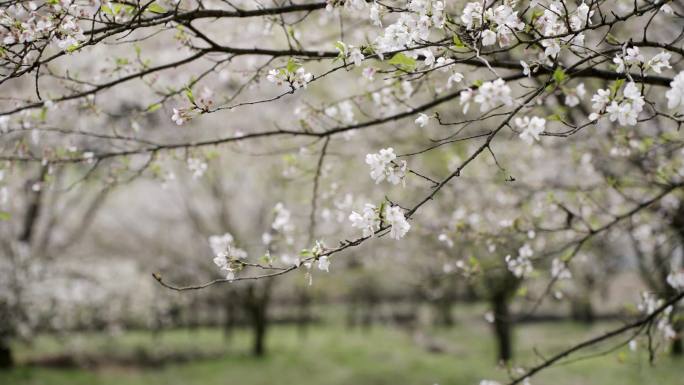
{"points": [[404, 62]]}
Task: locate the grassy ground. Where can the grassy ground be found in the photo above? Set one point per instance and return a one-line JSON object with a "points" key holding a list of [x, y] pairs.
{"points": [[335, 355]]}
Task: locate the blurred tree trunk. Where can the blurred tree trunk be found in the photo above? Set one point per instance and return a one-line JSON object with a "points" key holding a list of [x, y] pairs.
{"points": [[444, 306], [582, 309], [501, 289], [256, 303], [502, 326], [230, 315], [678, 326], [9, 312], [676, 318], [6, 358], [304, 311]]}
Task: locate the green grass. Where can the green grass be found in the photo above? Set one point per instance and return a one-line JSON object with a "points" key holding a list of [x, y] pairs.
{"points": [[334, 355]]}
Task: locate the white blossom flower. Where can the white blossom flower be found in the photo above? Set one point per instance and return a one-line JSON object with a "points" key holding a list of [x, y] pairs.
{"points": [[356, 56], [573, 97], [472, 15], [488, 38], [375, 14], [383, 167], [675, 95], [422, 120], [324, 263], [197, 166], [220, 244], [629, 57], [178, 117], [531, 128], [455, 77], [368, 221], [394, 216], [521, 266], [633, 345], [283, 219], [676, 280], [491, 94], [429, 58], [464, 99], [526, 68], [559, 269], [446, 240], [659, 61], [600, 99]]}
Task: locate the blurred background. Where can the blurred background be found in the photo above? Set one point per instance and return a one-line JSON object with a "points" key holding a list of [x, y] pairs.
{"points": [[80, 241]]}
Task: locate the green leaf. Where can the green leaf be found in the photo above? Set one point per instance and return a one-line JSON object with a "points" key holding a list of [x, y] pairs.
{"points": [[340, 47], [404, 62], [458, 43], [612, 39], [189, 95], [107, 10], [615, 86], [292, 66], [559, 75], [522, 291], [153, 107], [5, 216], [156, 8]]}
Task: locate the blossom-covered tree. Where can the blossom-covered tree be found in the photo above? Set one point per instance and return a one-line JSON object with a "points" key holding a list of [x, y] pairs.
{"points": [[510, 131]]}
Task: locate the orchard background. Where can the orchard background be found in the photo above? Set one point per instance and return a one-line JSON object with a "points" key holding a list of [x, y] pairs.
{"points": [[371, 192]]}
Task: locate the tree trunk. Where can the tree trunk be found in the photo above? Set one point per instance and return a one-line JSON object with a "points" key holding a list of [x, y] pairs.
{"points": [[229, 317], [6, 358], [258, 349], [257, 305], [678, 326], [444, 307], [304, 313], [502, 327], [583, 311]]}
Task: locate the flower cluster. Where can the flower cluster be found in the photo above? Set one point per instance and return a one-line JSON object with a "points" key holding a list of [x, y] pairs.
{"points": [[225, 253], [554, 22], [627, 111], [488, 95], [648, 305], [282, 222], [530, 128], [343, 110], [521, 266], [624, 110], [632, 56], [353, 53], [411, 26], [197, 166], [500, 22], [370, 220], [383, 166], [29, 23], [295, 76], [394, 216], [559, 269]]}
